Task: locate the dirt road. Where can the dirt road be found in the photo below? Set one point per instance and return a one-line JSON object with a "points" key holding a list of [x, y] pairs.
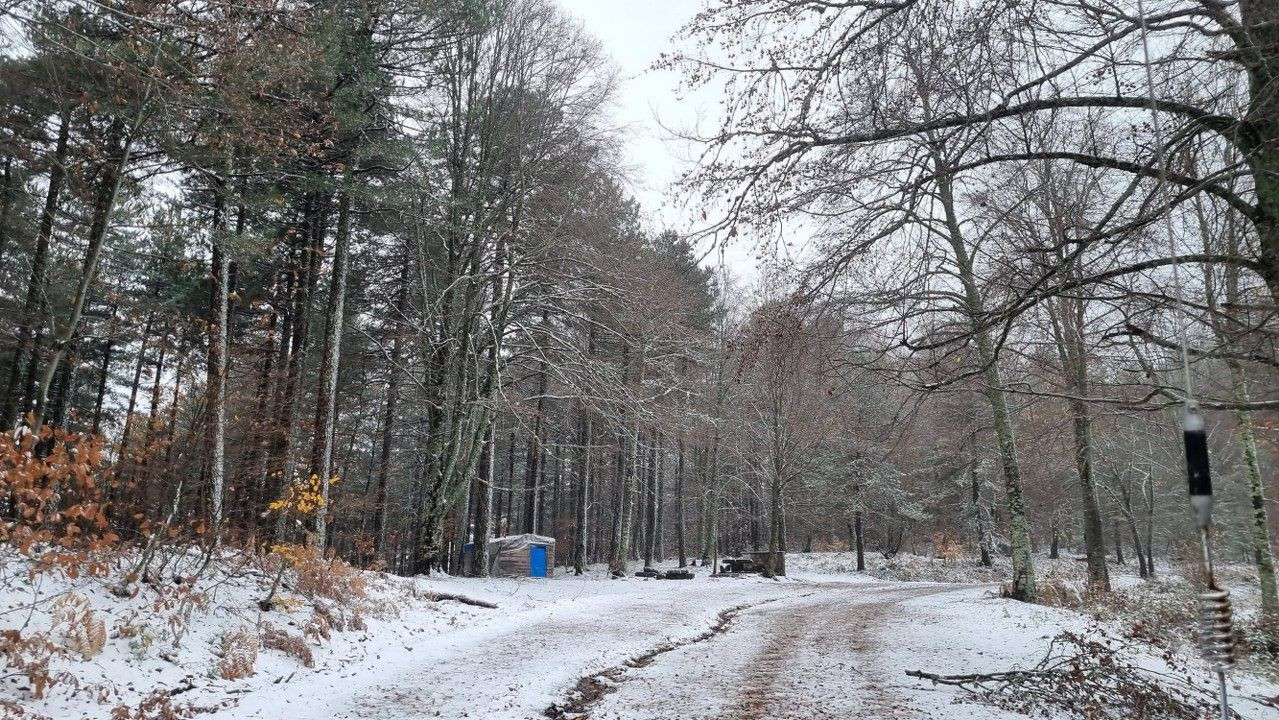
{"points": [[668, 651], [813, 656]]}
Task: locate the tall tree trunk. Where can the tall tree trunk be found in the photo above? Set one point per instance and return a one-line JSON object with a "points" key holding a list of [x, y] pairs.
{"points": [[1262, 553], [629, 476], [1148, 492], [219, 329], [626, 502], [775, 526], [1023, 581], [710, 543], [859, 541], [388, 417], [305, 270], [6, 206], [532, 468], [122, 464], [1067, 318], [484, 505], [326, 398], [1125, 509], [979, 517], [29, 320], [65, 387], [650, 498], [255, 466], [104, 375], [679, 506], [104, 206], [150, 443], [585, 437], [659, 507], [1137, 550], [1259, 20], [172, 430]]}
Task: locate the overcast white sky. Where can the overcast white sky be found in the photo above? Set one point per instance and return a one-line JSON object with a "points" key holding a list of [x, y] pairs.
{"points": [[634, 33]]}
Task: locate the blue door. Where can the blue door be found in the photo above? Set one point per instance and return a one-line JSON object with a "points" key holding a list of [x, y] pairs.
{"points": [[537, 561]]}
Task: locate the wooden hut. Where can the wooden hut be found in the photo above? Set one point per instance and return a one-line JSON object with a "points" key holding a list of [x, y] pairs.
{"points": [[525, 555]]}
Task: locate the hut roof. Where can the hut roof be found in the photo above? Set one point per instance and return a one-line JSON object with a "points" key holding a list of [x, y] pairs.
{"points": [[520, 542]]}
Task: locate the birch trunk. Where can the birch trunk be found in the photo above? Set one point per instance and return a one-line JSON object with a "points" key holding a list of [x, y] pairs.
{"points": [[217, 368], [1262, 553]]}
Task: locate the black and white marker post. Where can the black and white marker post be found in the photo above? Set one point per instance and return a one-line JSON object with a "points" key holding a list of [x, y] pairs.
{"points": [[1214, 630]]}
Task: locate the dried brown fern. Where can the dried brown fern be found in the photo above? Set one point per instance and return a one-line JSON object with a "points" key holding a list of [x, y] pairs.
{"points": [[83, 632], [286, 642], [239, 654]]}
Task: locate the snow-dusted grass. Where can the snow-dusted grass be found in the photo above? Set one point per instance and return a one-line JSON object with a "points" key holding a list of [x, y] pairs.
{"points": [[899, 568]]}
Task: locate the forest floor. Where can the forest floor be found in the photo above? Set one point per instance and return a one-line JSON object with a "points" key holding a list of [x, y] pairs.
{"points": [[824, 643]]}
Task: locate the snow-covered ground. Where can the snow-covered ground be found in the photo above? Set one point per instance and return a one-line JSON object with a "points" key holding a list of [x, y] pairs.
{"points": [[824, 643]]}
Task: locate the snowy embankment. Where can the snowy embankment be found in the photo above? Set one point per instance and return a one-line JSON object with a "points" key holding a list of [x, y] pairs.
{"points": [[209, 647]]}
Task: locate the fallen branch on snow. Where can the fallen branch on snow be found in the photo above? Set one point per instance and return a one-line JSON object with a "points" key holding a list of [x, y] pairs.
{"points": [[1086, 679], [441, 597]]}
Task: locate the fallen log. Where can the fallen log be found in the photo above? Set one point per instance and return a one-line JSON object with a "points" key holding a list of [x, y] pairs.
{"points": [[441, 597]]}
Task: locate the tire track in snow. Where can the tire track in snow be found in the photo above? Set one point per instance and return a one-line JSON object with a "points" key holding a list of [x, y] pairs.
{"points": [[592, 688]]}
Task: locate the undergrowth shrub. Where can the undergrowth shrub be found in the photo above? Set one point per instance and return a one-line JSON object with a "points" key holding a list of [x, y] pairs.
{"points": [[1053, 591], [317, 628], [1160, 612], [914, 568], [338, 618], [26, 660], [56, 516], [178, 606], [321, 575], [948, 547]]}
